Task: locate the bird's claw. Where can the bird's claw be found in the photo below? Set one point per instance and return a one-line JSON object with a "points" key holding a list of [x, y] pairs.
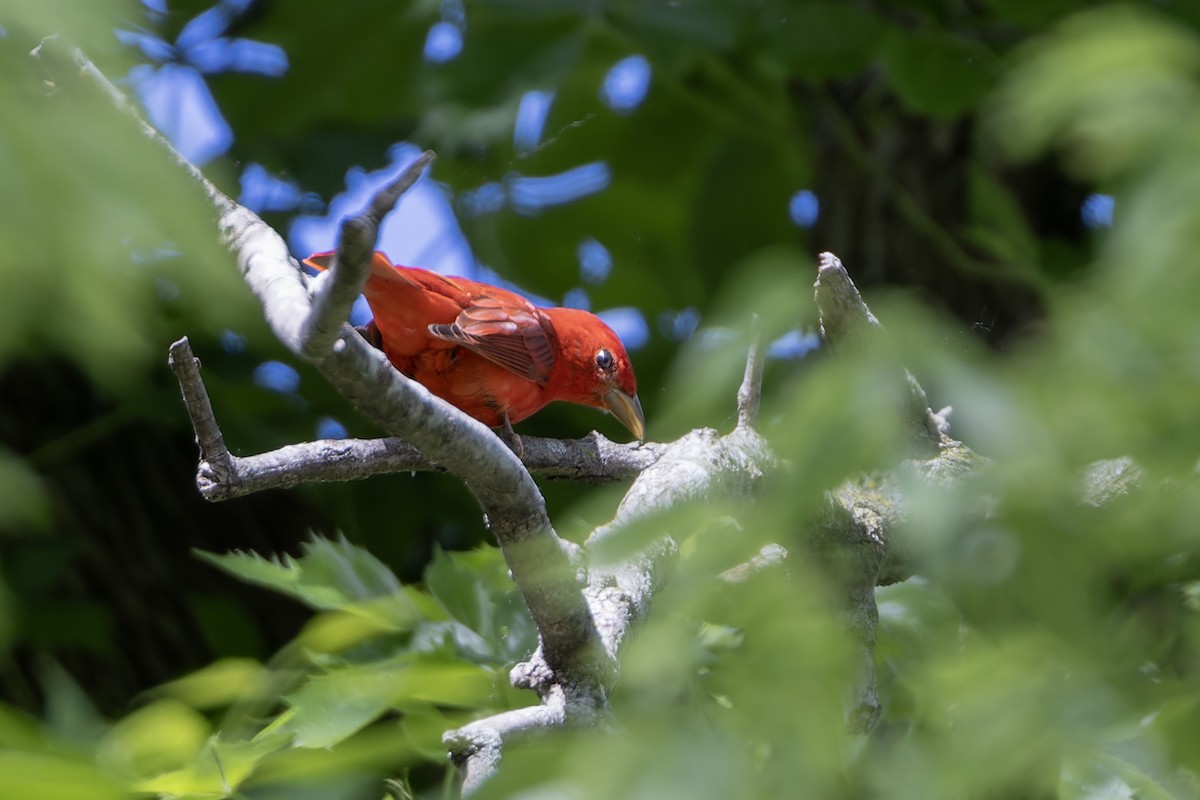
{"points": [[511, 438]]}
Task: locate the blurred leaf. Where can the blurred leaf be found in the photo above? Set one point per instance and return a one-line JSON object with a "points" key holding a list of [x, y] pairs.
{"points": [[331, 575], [70, 186], [157, 738], [937, 73], [824, 39], [1110, 83], [710, 25], [218, 770], [218, 684], [333, 706], [476, 590], [23, 500], [70, 713], [48, 776], [1034, 12], [1000, 226]]}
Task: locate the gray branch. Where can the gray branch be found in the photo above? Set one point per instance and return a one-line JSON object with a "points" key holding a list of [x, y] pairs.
{"points": [[696, 468], [221, 475], [584, 602], [749, 396], [542, 564], [336, 290], [476, 748], [855, 533]]}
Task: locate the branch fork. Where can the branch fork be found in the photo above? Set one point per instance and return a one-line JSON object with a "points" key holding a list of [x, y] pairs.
{"points": [[584, 614]]}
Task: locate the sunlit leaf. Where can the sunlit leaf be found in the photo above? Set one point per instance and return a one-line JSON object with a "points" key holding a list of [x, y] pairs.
{"points": [[476, 591], [54, 777], [217, 684], [1110, 83], [331, 575], [335, 705]]}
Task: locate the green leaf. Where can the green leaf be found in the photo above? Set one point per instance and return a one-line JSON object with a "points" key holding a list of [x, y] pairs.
{"points": [[330, 576], [218, 684], [217, 771], [1034, 12], [674, 25], [70, 713], [938, 73], [476, 590], [162, 736], [825, 39], [23, 499], [1110, 83], [998, 221], [334, 706], [47, 776], [78, 171]]}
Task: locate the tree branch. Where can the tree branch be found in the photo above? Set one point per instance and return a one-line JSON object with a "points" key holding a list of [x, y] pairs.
{"points": [[213, 452], [476, 748], [847, 324], [696, 468], [854, 534], [584, 617], [541, 563], [749, 394], [336, 289], [221, 475]]}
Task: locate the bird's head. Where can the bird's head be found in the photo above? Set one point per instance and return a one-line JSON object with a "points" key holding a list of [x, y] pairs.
{"points": [[595, 369]]}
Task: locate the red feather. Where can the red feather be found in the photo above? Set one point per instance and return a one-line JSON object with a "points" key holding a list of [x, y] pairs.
{"points": [[491, 352]]}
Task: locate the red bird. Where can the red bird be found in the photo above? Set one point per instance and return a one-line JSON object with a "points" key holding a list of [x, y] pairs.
{"points": [[491, 352]]}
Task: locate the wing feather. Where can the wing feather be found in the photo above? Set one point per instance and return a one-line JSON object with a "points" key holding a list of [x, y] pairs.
{"points": [[514, 336]]}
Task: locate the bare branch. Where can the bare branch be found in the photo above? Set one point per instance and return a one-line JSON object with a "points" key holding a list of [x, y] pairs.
{"points": [[593, 459], [336, 290], [213, 451], [749, 394], [855, 533], [847, 322], [541, 563], [477, 747], [843, 315], [223, 476], [697, 467], [770, 555]]}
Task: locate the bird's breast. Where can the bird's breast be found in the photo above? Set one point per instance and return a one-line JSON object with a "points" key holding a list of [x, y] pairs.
{"points": [[471, 383]]}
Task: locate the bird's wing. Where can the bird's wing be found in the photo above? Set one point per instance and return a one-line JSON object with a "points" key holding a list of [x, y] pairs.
{"points": [[506, 329]]}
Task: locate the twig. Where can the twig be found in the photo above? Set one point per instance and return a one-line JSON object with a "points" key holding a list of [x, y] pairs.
{"points": [[476, 748], [223, 476], [749, 394], [844, 317], [336, 290], [213, 451], [769, 556], [847, 324]]}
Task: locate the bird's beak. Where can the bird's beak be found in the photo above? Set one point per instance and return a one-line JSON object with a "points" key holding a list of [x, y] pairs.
{"points": [[628, 410]]}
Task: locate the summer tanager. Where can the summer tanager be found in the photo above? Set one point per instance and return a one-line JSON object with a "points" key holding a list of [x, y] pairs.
{"points": [[491, 352]]}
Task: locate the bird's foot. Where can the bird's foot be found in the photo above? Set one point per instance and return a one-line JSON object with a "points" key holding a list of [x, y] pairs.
{"points": [[510, 437], [371, 334]]}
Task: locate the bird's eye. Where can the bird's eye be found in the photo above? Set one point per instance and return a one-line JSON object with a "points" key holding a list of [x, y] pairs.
{"points": [[604, 360]]}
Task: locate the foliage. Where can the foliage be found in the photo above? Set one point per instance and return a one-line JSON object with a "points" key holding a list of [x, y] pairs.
{"points": [[1048, 645]]}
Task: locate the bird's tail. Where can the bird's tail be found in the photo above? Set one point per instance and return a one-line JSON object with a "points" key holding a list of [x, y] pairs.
{"points": [[381, 265]]}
